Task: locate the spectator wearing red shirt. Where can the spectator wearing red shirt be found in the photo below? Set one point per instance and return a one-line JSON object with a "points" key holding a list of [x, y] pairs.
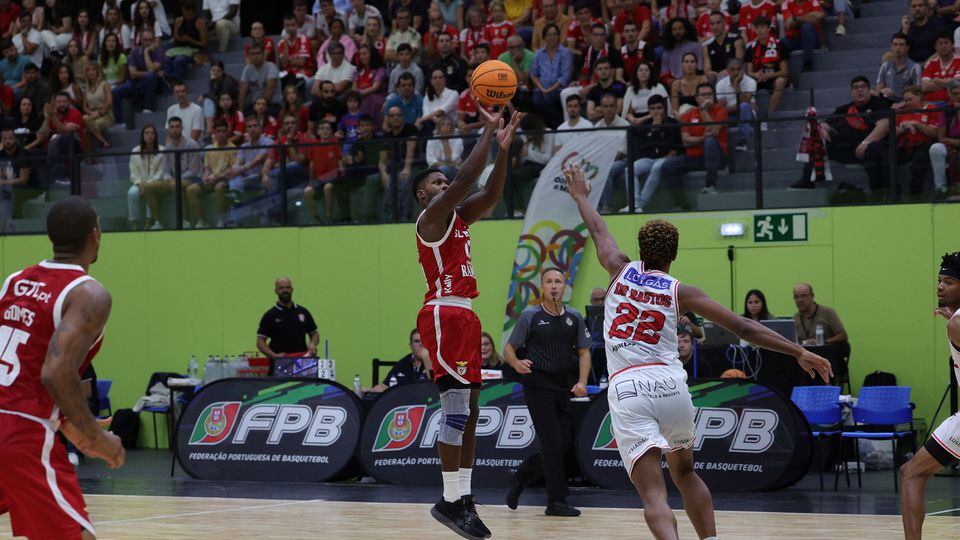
{"points": [[258, 35], [940, 70], [9, 13], [468, 118], [916, 130], [579, 28], [295, 52], [498, 29], [227, 112], [639, 15], [373, 36], [634, 50], [66, 135], [803, 20], [430, 50], [296, 157], [704, 30], [706, 145], [325, 168], [749, 13], [767, 63], [474, 33]]}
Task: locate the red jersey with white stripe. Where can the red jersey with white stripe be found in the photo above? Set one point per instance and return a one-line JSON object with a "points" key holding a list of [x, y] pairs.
{"points": [[446, 263], [497, 34], [935, 68], [31, 304], [750, 11], [640, 314]]}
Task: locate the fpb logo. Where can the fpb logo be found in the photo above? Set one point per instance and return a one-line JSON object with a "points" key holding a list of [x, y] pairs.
{"points": [[399, 428], [215, 423], [605, 439]]}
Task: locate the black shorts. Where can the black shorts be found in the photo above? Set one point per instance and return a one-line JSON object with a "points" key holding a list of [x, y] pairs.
{"points": [[446, 382], [939, 453]]}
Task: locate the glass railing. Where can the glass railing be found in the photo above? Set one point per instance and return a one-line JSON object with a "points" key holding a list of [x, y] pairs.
{"points": [[306, 184]]}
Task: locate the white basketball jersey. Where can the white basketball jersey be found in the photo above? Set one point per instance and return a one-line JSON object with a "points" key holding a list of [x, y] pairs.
{"points": [[955, 351], [640, 319]]}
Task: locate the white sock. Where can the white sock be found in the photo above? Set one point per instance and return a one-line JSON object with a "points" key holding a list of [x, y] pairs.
{"points": [[451, 486], [465, 475], [711, 538]]}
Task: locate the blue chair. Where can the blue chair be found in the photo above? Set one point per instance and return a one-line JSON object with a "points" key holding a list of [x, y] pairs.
{"points": [[161, 377], [820, 405], [880, 409], [103, 392]]}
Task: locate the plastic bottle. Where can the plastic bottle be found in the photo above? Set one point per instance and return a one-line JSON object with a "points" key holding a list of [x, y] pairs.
{"points": [[357, 387], [193, 368], [603, 382], [393, 380], [819, 334]]}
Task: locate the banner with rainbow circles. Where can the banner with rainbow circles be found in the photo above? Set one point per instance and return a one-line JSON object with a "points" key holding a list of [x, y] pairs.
{"points": [[553, 234]]}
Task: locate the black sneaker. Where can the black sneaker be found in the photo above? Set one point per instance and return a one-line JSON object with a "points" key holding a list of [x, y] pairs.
{"points": [[513, 494], [802, 185], [561, 508], [471, 509], [455, 517]]}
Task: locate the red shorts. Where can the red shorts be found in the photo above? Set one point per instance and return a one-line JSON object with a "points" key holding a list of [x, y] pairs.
{"points": [[452, 336], [38, 485]]}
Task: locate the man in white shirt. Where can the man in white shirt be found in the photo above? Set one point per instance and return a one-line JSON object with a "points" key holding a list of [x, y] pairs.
{"points": [[28, 41], [574, 106], [735, 92], [610, 119], [337, 70], [223, 17], [189, 112]]}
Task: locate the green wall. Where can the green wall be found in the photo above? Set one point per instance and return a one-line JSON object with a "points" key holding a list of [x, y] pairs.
{"points": [[203, 292]]}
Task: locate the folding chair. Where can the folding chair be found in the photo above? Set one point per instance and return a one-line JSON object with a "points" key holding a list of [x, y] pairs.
{"points": [[103, 392], [881, 407], [821, 407]]}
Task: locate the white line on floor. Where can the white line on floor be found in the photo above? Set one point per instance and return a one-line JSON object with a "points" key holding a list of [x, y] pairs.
{"points": [[206, 512], [944, 511]]}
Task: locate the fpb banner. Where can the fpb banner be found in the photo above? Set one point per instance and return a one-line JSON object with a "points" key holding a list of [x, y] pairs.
{"points": [[749, 437], [553, 234], [269, 429], [399, 439]]}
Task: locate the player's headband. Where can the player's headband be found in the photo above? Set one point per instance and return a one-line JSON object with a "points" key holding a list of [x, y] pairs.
{"points": [[950, 272]]}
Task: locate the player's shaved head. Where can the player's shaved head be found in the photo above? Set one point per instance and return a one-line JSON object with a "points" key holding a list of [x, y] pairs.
{"points": [[69, 224], [803, 288]]}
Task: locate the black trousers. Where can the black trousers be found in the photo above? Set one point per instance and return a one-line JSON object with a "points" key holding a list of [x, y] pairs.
{"points": [[548, 400]]}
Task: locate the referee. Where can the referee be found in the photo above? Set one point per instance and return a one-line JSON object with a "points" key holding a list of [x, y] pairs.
{"points": [[554, 360]]}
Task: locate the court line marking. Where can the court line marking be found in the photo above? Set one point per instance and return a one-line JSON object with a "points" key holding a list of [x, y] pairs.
{"points": [[206, 512], [943, 511]]}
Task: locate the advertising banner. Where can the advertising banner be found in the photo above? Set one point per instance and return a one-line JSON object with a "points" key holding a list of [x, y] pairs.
{"points": [[398, 444], [749, 437], [553, 234], [269, 429]]}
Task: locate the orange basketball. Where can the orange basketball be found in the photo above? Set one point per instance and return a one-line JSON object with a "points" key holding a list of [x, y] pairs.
{"points": [[494, 83], [733, 374]]}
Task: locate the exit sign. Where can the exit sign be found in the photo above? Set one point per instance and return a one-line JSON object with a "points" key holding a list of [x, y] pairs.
{"points": [[780, 227]]}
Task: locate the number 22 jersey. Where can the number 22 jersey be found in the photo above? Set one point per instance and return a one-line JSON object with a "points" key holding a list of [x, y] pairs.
{"points": [[31, 306], [640, 319]]}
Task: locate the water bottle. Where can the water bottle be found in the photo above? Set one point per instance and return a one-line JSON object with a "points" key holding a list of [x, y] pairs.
{"points": [[357, 387], [604, 383], [393, 380], [819, 334], [193, 368]]}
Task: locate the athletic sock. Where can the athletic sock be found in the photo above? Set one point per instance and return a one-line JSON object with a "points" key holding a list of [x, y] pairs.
{"points": [[465, 476], [451, 486], [711, 538]]}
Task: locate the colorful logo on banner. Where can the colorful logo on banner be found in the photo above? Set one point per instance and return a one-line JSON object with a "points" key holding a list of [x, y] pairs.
{"points": [[553, 234], [215, 423], [605, 439], [399, 428]]}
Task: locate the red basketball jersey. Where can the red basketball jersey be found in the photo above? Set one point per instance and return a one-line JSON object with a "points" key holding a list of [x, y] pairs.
{"points": [[446, 263], [31, 303]]}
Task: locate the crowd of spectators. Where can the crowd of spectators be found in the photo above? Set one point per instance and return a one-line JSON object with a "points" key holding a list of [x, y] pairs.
{"points": [[347, 78]]}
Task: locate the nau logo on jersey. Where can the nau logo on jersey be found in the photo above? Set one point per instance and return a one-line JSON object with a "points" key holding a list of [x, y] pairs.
{"points": [[31, 289], [215, 423], [647, 280], [605, 439], [399, 428]]}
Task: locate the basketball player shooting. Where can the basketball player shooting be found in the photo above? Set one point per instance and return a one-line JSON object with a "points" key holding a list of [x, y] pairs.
{"points": [[52, 327], [651, 410], [943, 448], [449, 328]]}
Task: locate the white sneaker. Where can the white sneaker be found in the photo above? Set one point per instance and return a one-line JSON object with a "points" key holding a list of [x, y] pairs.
{"points": [[156, 226], [221, 222], [186, 225], [639, 210], [708, 190], [841, 30], [624, 210], [73, 458], [201, 225], [764, 126]]}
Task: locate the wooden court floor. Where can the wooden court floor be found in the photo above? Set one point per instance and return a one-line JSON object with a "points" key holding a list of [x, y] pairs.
{"points": [[143, 518]]}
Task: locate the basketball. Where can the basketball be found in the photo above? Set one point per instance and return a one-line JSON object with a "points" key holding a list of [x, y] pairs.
{"points": [[733, 374], [494, 83]]}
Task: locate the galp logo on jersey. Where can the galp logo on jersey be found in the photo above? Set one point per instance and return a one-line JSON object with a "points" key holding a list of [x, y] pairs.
{"points": [[215, 423], [31, 289], [647, 280], [399, 428]]}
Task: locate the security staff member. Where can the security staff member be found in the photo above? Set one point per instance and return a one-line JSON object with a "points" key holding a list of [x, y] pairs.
{"points": [[556, 362], [285, 325]]}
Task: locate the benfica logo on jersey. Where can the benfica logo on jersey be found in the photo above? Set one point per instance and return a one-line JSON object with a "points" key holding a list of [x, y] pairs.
{"points": [[605, 439], [215, 423], [399, 428]]}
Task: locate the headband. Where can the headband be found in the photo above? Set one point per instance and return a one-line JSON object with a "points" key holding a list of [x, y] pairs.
{"points": [[950, 272]]}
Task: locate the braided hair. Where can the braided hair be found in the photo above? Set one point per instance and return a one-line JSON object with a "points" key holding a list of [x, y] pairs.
{"points": [[658, 240]]}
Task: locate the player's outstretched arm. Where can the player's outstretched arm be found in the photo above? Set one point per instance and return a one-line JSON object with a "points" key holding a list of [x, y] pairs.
{"points": [[697, 301], [609, 254], [480, 204], [85, 312], [438, 211]]}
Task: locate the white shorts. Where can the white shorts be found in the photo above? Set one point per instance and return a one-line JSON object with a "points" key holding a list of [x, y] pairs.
{"points": [[650, 406], [947, 435]]}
